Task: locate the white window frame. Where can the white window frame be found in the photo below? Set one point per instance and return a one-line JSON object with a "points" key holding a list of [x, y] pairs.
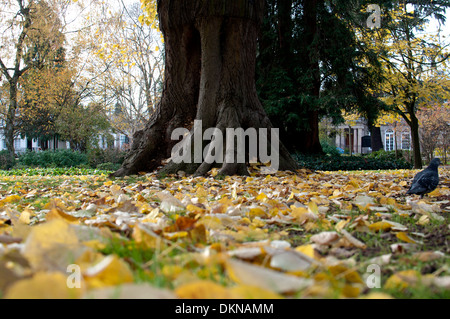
{"points": [[389, 140]]}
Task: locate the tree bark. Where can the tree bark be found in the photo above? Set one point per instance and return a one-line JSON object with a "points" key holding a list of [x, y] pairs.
{"points": [[416, 141], [310, 141], [375, 137], [210, 70], [10, 122]]}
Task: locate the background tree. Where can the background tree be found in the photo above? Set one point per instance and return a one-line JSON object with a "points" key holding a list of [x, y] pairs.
{"points": [[413, 63], [32, 36], [16, 34], [81, 125], [310, 67], [130, 55], [434, 130]]}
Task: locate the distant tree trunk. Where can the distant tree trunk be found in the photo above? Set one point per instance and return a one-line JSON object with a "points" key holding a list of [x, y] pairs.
{"points": [[414, 124], [309, 141], [10, 122], [210, 69], [375, 137]]}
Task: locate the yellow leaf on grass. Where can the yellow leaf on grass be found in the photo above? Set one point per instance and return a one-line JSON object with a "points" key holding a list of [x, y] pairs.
{"points": [[261, 197], [43, 285], [257, 212], [195, 209], [377, 295], [308, 250], [25, 217], [10, 199], [203, 290], [52, 245], [313, 208], [146, 237], [108, 183], [339, 226], [404, 237], [56, 213], [342, 271], [380, 226], [253, 292], [351, 290], [110, 271], [402, 280]]}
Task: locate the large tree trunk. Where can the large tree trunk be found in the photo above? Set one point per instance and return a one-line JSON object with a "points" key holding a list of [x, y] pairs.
{"points": [[210, 66]]}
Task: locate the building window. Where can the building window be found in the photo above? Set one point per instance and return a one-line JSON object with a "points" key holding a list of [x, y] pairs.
{"points": [[390, 140], [17, 144], [406, 141]]}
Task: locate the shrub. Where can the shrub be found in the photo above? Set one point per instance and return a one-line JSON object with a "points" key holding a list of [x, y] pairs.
{"points": [[329, 148], [108, 166], [59, 158], [5, 160], [350, 163], [100, 156]]}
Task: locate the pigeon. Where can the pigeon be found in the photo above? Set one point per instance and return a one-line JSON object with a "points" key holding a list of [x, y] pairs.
{"points": [[427, 180]]}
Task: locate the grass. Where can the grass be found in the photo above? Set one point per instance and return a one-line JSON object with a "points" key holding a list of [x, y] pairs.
{"points": [[72, 171]]}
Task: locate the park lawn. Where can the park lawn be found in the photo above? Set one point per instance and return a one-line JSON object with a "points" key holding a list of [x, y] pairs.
{"points": [[289, 235]]}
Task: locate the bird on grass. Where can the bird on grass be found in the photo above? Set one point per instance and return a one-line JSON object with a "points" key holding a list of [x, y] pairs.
{"points": [[427, 180]]}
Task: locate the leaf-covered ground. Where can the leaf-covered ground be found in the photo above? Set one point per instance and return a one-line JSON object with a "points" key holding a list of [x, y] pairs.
{"points": [[290, 235]]}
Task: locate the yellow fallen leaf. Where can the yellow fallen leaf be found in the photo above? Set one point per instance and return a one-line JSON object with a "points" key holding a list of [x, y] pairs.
{"points": [[402, 280], [380, 226], [146, 237], [43, 285], [308, 250], [10, 199], [404, 237], [108, 183], [195, 209], [253, 292], [377, 295], [25, 217], [351, 290], [52, 245], [111, 271], [56, 213], [341, 271], [204, 290], [257, 212], [339, 226]]}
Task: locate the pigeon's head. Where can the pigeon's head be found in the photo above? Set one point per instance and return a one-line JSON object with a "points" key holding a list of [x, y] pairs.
{"points": [[435, 163]]}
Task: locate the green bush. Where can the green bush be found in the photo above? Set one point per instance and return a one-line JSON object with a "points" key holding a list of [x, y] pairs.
{"points": [[5, 160], [391, 155], [99, 156], [108, 166], [350, 163], [329, 148], [60, 158]]}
